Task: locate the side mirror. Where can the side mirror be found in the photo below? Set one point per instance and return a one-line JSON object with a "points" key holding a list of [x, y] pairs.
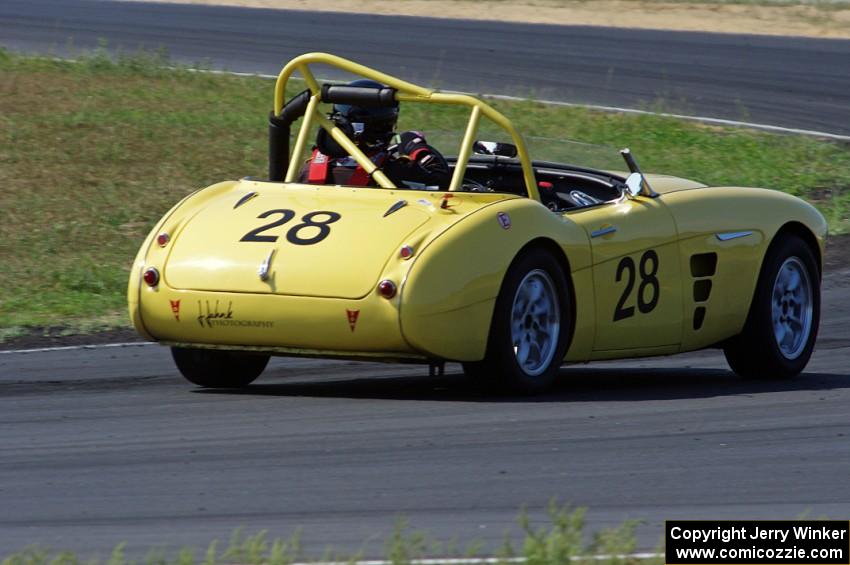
{"points": [[494, 148], [634, 184]]}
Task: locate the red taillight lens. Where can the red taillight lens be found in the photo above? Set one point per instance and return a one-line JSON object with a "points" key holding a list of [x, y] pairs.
{"points": [[406, 252], [151, 276], [162, 239], [387, 289]]}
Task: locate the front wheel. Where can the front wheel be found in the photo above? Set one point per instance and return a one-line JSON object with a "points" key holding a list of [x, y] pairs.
{"points": [[531, 323], [213, 368], [781, 328]]}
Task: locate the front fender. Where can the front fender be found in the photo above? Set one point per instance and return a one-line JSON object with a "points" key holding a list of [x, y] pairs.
{"points": [[703, 214]]}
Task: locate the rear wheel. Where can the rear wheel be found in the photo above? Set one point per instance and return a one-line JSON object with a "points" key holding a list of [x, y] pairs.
{"points": [[219, 369], [782, 325], [530, 327]]}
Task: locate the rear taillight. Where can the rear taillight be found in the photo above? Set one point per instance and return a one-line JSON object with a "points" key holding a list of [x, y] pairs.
{"points": [[162, 239], [151, 276], [387, 288]]}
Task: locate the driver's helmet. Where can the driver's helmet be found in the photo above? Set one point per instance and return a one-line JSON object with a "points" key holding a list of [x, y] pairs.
{"points": [[371, 126]]}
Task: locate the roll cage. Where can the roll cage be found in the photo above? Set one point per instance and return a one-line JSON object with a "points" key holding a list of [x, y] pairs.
{"points": [[284, 166]]}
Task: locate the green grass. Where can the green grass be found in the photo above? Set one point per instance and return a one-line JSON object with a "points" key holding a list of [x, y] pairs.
{"points": [[93, 152], [560, 540]]}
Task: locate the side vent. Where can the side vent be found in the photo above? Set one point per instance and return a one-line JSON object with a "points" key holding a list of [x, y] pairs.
{"points": [[702, 290], [703, 266], [699, 317]]}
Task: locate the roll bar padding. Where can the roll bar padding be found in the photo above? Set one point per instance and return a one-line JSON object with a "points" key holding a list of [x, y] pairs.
{"points": [[296, 107], [279, 134], [363, 96], [279, 129]]}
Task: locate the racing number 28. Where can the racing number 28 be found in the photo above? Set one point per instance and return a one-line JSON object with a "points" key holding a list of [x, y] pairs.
{"points": [[294, 234], [648, 289]]}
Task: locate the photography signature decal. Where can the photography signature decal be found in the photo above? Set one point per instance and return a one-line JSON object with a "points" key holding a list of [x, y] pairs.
{"points": [[214, 314]]}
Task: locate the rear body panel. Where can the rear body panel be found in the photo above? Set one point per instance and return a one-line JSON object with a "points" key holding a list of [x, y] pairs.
{"points": [[319, 295], [369, 325]]}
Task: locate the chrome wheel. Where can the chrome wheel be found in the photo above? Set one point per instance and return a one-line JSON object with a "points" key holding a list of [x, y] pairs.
{"points": [[791, 302], [779, 335], [535, 322]]}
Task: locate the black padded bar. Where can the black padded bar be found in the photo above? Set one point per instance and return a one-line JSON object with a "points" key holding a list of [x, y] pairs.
{"points": [[363, 96], [278, 148], [295, 108], [279, 134]]}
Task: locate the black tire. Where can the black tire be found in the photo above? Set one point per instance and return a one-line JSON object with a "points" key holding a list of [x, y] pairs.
{"points": [[219, 369], [758, 352], [501, 366]]}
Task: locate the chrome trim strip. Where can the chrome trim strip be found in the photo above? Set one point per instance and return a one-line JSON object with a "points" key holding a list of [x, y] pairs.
{"points": [[265, 266], [732, 235], [245, 199], [603, 231], [395, 207]]}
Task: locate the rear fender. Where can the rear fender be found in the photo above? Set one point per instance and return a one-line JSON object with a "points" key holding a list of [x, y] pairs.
{"points": [[448, 296], [148, 254]]}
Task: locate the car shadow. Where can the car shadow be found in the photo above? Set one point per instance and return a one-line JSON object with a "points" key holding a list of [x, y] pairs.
{"points": [[576, 384]]}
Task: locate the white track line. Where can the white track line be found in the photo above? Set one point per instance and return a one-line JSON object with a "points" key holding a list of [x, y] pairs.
{"points": [[610, 109], [597, 107], [482, 560], [717, 121], [75, 347]]}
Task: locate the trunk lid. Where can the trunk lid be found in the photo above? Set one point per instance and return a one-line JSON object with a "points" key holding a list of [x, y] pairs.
{"points": [[322, 241]]}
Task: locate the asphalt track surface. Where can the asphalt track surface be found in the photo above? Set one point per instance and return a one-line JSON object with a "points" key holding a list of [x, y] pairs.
{"points": [[790, 82], [106, 445]]}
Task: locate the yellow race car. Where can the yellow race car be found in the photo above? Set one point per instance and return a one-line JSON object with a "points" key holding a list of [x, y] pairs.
{"points": [[513, 269]]}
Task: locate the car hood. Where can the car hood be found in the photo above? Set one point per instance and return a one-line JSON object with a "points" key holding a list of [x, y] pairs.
{"points": [[664, 184]]}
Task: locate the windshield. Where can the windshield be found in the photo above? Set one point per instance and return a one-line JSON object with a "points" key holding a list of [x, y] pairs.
{"points": [[566, 151]]}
